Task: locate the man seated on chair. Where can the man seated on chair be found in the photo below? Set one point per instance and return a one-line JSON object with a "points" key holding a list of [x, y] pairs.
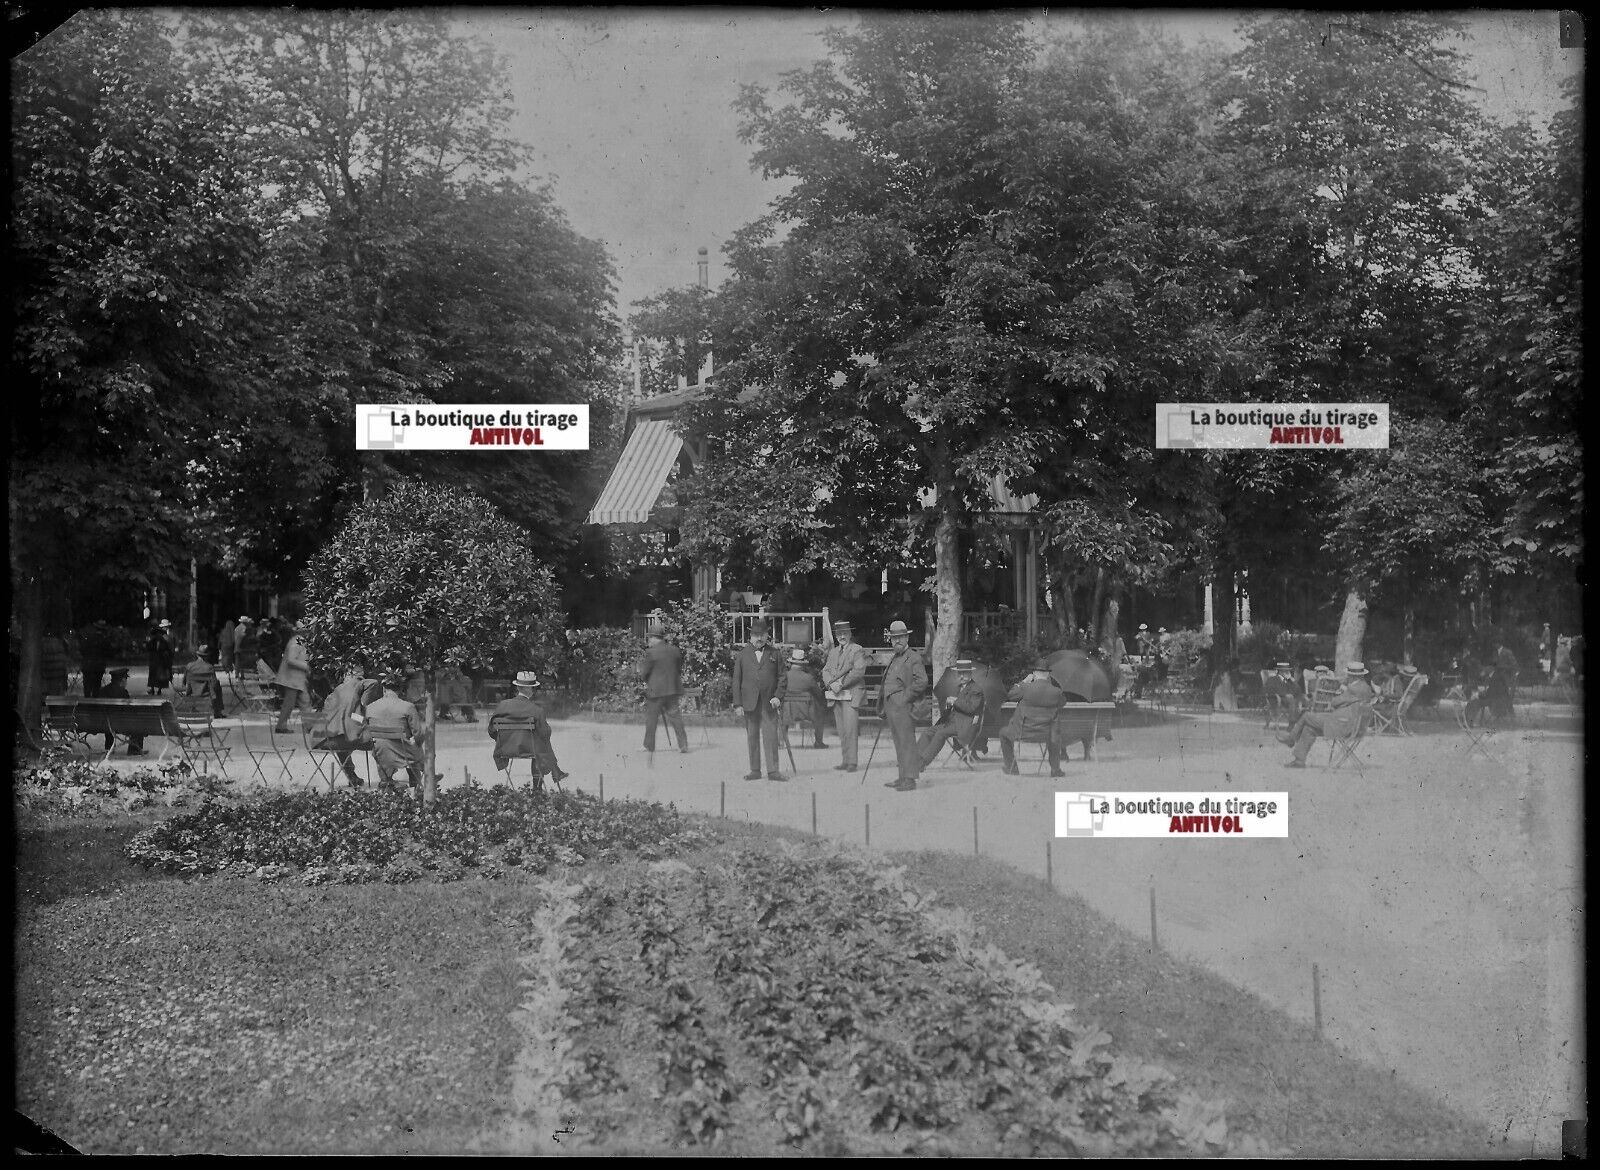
{"points": [[117, 688], [1340, 720], [345, 731], [391, 755], [200, 678], [517, 743], [801, 696], [1038, 697], [961, 718]]}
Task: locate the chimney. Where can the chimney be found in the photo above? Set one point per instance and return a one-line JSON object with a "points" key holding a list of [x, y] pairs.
{"points": [[705, 270]]}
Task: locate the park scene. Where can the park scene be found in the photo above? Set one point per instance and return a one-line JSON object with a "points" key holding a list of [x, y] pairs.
{"points": [[700, 790]]}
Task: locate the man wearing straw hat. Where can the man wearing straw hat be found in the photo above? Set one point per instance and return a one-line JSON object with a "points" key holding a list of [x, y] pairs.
{"points": [[801, 696], [904, 683], [521, 743], [758, 690], [844, 677], [1340, 720], [960, 720]]}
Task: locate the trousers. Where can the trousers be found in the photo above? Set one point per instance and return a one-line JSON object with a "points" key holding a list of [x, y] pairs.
{"points": [[847, 721], [761, 736], [897, 714], [664, 709]]}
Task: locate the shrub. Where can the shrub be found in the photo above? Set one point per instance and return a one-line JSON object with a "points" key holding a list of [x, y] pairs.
{"points": [[700, 629], [596, 662]]}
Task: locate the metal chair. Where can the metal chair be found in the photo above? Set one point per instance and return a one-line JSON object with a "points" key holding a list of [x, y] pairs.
{"points": [[258, 755], [1476, 733], [1342, 748], [1390, 716], [536, 773]]}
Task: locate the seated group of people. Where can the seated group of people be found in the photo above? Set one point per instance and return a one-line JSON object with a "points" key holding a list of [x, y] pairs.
{"points": [[1038, 698], [360, 706]]}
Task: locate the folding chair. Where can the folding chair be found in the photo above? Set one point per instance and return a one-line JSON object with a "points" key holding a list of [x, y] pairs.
{"points": [[325, 765], [1390, 716], [59, 726], [1477, 733], [1342, 748], [535, 772], [200, 734], [1325, 692], [259, 754]]}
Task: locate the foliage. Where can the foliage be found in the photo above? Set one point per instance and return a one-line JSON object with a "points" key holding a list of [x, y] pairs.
{"points": [[595, 662], [426, 575], [359, 836], [870, 1021], [701, 630], [61, 785]]}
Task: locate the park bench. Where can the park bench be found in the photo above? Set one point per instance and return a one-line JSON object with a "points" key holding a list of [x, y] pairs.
{"points": [[1074, 722], [121, 718]]}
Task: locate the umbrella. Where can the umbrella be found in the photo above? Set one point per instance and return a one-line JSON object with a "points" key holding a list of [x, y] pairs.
{"points": [[1081, 676]]}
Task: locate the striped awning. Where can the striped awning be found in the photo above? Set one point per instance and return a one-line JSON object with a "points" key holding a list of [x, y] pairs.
{"points": [[637, 479]]}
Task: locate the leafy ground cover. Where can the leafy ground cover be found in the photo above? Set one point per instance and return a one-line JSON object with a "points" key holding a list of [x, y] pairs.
{"points": [[56, 784], [749, 991]]}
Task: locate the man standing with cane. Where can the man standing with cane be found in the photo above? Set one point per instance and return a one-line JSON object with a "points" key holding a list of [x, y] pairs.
{"points": [[758, 689], [904, 684], [844, 676]]}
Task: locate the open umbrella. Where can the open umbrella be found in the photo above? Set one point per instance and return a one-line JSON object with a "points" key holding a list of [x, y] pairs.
{"points": [[1084, 679]]}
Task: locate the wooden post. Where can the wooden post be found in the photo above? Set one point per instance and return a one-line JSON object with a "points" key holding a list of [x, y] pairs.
{"points": [[813, 814], [602, 785], [867, 809], [1316, 1002], [1049, 865], [974, 830], [1154, 940], [722, 802]]}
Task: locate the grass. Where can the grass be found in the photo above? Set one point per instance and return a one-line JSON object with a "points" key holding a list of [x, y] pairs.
{"points": [[159, 1015]]}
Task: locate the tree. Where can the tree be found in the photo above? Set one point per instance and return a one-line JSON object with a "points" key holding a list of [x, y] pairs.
{"points": [[428, 575], [404, 263], [1353, 143], [132, 222]]}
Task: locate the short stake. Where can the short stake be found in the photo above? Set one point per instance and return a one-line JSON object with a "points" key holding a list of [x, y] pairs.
{"points": [[1155, 941], [867, 810], [813, 814], [1316, 1002], [974, 830], [1049, 865], [602, 786], [722, 803]]}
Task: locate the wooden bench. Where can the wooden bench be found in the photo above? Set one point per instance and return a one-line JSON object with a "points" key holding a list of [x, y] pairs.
{"points": [[1073, 722], [119, 719]]}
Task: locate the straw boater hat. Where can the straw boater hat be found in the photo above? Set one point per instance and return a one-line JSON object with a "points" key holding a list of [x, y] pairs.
{"points": [[164, 624], [244, 619], [1142, 626], [964, 665], [526, 678], [797, 655], [841, 624], [898, 629], [1408, 671], [1281, 666], [1355, 668]]}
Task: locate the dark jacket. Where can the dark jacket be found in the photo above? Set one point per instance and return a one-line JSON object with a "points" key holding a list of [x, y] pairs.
{"points": [[1037, 700], [519, 743], [906, 680], [662, 670], [966, 711], [756, 684]]}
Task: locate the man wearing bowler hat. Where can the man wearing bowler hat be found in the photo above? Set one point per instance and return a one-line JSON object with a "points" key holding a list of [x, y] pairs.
{"points": [[662, 670], [758, 690], [1038, 697], [904, 683], [117, 688]]}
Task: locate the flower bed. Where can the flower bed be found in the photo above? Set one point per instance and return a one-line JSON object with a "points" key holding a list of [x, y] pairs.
{"points": [[60, 785], [352, 837], [809, 997]]}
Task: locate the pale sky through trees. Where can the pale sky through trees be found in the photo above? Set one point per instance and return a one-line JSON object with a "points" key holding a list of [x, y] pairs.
{"points": [[630, 111]]}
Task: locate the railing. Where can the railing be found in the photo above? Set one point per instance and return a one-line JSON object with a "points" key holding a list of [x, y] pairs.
{"points": [[985, 623], [788, 628]]}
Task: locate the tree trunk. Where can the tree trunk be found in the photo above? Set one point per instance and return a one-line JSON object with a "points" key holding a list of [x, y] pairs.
{"points": [[374, 476], [1352, 629], [29, 606], [1224, 607], [430, 722], [1108, 624], [1065, 608], [1092, 634], [946, 584], [1410, 634]]}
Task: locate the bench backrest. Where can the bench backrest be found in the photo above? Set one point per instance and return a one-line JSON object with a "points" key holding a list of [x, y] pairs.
{"points": [[384, 731], [126, 717]]}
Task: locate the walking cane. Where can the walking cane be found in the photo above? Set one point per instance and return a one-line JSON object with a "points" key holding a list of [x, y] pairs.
{"points": [[793, 767], [873, 752]]}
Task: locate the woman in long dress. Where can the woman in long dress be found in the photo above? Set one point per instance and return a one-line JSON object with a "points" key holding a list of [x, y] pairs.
{"points": [[159, 648]]}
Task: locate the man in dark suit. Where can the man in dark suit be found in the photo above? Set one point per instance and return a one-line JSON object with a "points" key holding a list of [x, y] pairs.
{"points": [[758, 690], [662, 670], [961, 719], [1038, 697], [520, 743], [117, 688], [905, 682]]}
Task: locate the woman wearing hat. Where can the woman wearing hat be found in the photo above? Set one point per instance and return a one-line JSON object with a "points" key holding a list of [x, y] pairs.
{"points": [[844, 675], [1342, 719], [801, 697], [159, 648], [905, 682]]}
